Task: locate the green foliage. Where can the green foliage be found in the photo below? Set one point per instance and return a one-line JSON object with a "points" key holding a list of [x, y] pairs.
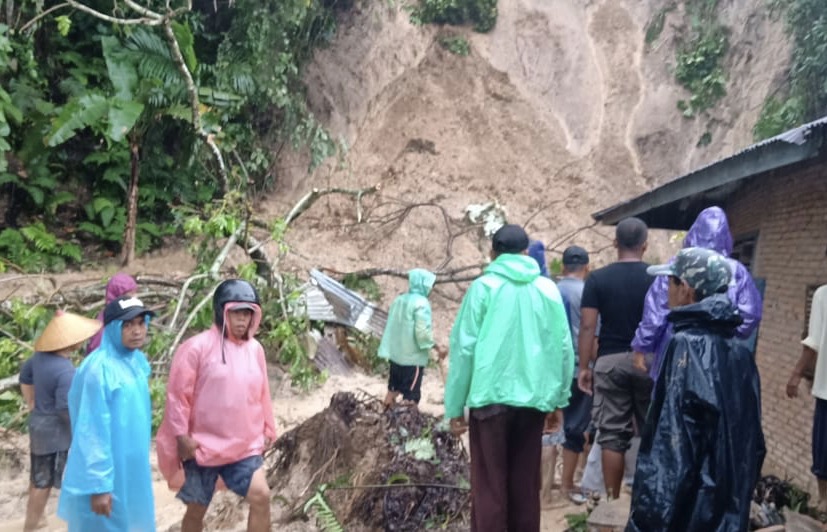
{"points": [[158, 398], [33, 248], [778, 116], [803, 96], [577, 522], [366, 286], [456, 44], [481, 13], [699, 58], [699, 70], [76, 102], [421, 448], [555, 267], [655, 26], [326, 518], [17, 320]]}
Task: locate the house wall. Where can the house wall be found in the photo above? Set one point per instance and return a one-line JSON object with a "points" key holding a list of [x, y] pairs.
{"points": [[789, 212]]}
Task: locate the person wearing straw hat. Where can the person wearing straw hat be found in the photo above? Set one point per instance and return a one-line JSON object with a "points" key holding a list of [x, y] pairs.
{"points": [[44, 381], [107, 486]]}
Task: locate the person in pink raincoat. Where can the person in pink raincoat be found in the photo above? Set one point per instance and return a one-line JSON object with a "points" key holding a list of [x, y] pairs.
{"points": [[121, 284], [219, 419]]}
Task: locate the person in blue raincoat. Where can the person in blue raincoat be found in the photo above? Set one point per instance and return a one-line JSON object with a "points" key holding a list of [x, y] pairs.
{"points": [[710, 231], [107, 484]]}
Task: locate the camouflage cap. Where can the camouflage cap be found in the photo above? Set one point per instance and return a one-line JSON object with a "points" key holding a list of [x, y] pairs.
{"points": [[705, 270]]}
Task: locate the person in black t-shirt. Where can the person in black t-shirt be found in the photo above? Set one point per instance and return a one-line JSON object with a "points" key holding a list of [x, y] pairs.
{"points": [[621, 391]]}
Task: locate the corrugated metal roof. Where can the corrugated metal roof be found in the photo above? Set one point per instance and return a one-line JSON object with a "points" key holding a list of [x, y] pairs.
{"points": [[675, 204], [325, 299]]}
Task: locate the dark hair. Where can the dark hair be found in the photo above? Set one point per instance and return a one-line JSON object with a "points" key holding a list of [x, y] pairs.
{"points": [[574, 268], [631, 233]]}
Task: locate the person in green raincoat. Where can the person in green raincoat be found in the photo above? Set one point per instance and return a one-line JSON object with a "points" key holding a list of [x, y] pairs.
{"points": [[408, 339], [511, 364]]}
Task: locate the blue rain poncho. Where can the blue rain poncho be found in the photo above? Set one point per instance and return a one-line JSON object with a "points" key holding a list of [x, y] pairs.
{"points": [[111, 426], [408, 336]]}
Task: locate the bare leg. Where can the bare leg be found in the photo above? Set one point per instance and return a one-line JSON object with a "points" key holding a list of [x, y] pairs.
{"points": [[822, 495], [570, 459], [613, 465], [390, 399], [35, 506], [548, 465], [194, 518], [258, 496]]}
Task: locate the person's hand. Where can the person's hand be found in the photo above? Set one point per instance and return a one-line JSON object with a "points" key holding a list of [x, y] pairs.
{"points": [[441, 352], [186, 448], [584, 381], [792, 386], [553, 421], [458, 426], [102, 504], [639, 362]]}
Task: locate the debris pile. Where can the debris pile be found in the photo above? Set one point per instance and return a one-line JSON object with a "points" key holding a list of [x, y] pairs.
{"points": [[399, 470]]}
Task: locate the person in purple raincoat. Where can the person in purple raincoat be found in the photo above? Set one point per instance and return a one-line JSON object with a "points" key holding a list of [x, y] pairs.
{"points": [[121, 284], [710, 231]]}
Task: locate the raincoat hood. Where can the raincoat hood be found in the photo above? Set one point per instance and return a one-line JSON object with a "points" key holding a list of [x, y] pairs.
{"points": [[710, 231], [113, 339], [420, 282], [716, 311], [517, 268], [255, 323], [537, 251], [118, 285]]}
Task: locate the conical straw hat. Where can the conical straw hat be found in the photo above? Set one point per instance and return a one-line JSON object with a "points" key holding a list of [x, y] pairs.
{"points": [[65, 330]]}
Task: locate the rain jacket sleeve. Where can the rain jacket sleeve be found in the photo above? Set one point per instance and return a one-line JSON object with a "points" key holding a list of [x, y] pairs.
{"points": [[423, 327], [266, 401], [181, 389], [748, 301], [92, 421], [463, 343], [653, 325]]}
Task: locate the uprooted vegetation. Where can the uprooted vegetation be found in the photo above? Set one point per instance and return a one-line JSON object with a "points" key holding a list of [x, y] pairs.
{"points": [[363, 468]]}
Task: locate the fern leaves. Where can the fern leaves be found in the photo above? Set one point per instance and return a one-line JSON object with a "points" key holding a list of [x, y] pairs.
{"points": [[325, 516]]}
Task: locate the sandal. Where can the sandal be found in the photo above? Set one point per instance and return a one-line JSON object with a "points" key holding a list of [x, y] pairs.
{"points": [[577, 496]]}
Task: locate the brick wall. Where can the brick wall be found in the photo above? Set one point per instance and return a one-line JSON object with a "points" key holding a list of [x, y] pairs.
{"points": [[789, 211]]}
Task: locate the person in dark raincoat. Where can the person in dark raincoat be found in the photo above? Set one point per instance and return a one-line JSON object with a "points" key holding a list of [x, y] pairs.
{"points": [[702, 446], [711, 231]]}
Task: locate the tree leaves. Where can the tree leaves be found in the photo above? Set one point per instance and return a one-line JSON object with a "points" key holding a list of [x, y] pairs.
{"points": [[121, 71], [88, 110]]}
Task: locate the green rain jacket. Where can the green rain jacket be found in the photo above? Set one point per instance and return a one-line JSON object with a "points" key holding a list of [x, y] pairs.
{"points": [[408, 336], [511, 343]]}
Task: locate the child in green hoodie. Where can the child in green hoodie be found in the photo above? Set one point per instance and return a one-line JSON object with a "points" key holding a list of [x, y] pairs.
{"points": [[408, 339]]}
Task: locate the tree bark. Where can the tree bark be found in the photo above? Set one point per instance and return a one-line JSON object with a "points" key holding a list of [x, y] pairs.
{"points": [[128, 249]]}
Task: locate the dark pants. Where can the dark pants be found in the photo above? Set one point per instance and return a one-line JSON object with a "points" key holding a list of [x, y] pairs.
{"points": [[819, 468], [505, 470]]}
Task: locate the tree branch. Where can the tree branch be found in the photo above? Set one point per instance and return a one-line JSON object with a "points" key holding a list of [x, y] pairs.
{"points": [[114, 20], [310, 198], [41, 15], [142, 10], [192, 90]]}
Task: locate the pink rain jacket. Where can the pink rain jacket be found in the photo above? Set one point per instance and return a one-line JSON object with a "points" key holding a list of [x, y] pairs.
{"points": [[225, 406]]}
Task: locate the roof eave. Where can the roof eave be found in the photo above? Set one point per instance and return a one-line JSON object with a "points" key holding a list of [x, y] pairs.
{"points": [[747, 164]]}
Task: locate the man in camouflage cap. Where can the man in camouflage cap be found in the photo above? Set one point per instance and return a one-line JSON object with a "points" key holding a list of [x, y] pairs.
{"points": [[702, 273], [702, 446]]}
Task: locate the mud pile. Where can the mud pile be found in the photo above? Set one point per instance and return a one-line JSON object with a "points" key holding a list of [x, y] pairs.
{"points": [[399, 470]]}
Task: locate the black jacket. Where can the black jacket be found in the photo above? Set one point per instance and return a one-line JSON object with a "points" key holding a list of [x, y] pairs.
{"points": [[702, 446]]}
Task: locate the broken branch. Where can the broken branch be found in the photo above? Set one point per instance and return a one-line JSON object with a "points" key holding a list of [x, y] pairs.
{"points": [[310, 198]]}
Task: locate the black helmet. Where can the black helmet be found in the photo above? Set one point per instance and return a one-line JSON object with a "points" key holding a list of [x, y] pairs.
{"points": [[232, 291]]}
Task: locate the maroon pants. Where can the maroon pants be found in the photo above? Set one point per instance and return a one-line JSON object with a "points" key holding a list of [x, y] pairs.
{"points": [[505, 469]]}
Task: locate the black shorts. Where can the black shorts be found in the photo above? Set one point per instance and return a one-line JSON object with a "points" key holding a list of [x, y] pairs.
{"points": [[819, 468], [47, 469], [576, 418], [406, 380]]}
